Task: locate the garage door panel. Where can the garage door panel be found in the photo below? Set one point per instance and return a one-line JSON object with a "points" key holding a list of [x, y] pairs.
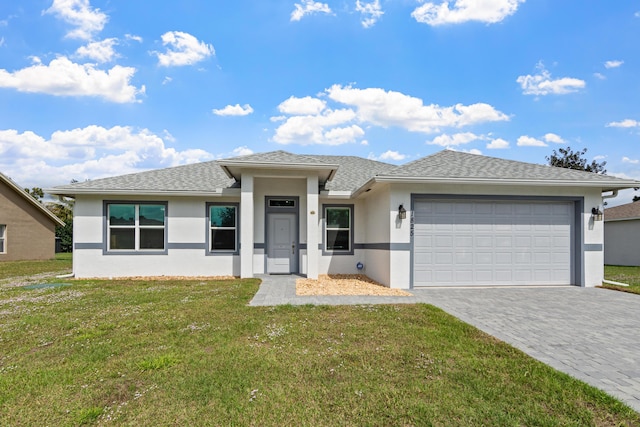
{"points": [[492, 242]]}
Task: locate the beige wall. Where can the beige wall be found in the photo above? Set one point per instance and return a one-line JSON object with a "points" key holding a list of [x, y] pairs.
{"points": [[30, 234]]}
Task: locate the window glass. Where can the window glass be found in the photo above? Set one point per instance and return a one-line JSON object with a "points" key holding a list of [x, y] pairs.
{"points": [[152, 238], [152, 215], [122, 214], [123, 238], [338, 218], [223, 240], [3, 229], [338, 240], [338, 228], [282, 203], [223, 216]]}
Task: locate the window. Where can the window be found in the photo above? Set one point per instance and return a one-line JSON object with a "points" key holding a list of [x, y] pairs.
{"points": [[282, 203], [136, 226], [338, 228], [3, 239], [223, 227]]}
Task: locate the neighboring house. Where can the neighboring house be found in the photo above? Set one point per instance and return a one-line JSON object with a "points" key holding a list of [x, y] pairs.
{"points": [[469, 220], [622, 235], [27, 228]]}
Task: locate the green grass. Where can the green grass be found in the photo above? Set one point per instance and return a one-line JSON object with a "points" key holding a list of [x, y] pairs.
{"points": [[193, 353], [60, 264], [628, 275]]}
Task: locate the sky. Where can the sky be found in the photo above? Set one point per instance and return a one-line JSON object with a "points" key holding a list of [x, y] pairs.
{"points": [[98, 88]]}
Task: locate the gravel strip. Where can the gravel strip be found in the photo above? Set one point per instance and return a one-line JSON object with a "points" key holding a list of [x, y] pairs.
{"points": [[345, 284]]}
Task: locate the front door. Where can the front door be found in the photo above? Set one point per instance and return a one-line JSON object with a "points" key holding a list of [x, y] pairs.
{"points": [[282, 248]]}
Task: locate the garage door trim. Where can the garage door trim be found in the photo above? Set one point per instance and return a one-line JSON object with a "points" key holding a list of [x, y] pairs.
{"points": [[578, 204]]}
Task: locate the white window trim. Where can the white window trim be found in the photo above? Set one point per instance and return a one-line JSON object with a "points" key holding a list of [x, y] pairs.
{"points": [[236, 243], [325, 249], [3, 238], [136, 227]]}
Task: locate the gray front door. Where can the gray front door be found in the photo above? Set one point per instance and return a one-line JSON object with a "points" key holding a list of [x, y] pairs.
{"points": [[282, 248]]}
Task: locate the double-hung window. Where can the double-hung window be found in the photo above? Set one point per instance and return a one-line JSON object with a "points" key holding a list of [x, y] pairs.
{"points": [[338, 231], [3, 238], [223, 227], [136, 226]]}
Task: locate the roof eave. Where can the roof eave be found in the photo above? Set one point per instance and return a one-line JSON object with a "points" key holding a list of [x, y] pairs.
{"points": [[604, 185], [218, 192], [226, 165]]}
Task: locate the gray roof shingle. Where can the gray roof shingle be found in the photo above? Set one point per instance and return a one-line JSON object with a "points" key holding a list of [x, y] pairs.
{"points": [[456, 164], [628, 211], [352, 173]]}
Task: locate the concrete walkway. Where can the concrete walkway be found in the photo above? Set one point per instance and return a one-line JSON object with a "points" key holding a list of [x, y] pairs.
{"points": [[591, 334]]}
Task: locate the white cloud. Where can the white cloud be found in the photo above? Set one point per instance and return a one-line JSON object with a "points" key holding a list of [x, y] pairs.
{"points": [[613, 64], [310, 121], [167, 80], [552, 137], [306, 105], [331, 127], [498, 144], [626, 123], [599, 76], [445, 140], [371, 12], [473, 151], [79, 13], [1, 41], [183, 49], [87, 153], [101, 51], [133, 37], [65, 78], [488, 11], [527, 141], [543, 84], [234, 110], [392, 155], [242, 151], [389, 108], [308, 7], [632, 161], [599, 157]]}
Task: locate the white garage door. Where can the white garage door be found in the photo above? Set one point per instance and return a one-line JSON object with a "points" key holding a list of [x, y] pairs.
{"points": [[463, 242]]}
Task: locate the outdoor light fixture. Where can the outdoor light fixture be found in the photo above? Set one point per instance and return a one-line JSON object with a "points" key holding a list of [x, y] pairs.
{"points": [[596, 213], [402, 212]]}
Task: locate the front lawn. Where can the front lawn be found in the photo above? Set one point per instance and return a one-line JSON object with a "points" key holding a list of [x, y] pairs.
{"points": [[628, 275], [60, 264], [193, 353]]}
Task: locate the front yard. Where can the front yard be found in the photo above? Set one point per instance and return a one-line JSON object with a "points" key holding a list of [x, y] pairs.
{"points": [[193, 353], [628, 275]]}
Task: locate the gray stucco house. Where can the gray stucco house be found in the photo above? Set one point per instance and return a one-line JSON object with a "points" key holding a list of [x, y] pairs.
{"points": [[622, 235], [447, 219]]}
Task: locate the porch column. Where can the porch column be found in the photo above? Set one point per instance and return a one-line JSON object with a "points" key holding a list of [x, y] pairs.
{"points": [[313, 215], [246, 226]]}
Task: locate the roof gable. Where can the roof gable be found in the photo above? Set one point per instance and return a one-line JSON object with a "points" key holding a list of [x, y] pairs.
{"points": [[20, 191]]}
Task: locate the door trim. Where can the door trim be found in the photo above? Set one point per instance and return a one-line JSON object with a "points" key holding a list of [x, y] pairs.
{"points": [[295, 210]]}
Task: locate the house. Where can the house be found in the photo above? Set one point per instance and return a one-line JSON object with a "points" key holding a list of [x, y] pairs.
{"points": [[451, 218], [622, 235], [27, 228]]}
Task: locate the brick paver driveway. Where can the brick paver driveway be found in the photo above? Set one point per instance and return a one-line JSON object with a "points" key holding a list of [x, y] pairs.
{"points": [[591, 334]]}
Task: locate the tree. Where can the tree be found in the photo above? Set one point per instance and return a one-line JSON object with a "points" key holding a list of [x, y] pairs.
{"points": [[35, 192], [566, 158], [64, 210], [636, 198]]}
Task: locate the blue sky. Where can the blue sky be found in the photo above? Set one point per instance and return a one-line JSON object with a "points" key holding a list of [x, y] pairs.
{"points": [[95, 88]]}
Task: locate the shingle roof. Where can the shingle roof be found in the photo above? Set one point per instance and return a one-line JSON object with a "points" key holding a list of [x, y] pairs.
{"points": [[628, 211], [351, 174], [195, 178], [353, 171], [455, 164]]}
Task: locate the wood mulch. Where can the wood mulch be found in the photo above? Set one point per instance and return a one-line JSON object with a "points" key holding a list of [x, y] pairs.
{"points": [[345, 284]]}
